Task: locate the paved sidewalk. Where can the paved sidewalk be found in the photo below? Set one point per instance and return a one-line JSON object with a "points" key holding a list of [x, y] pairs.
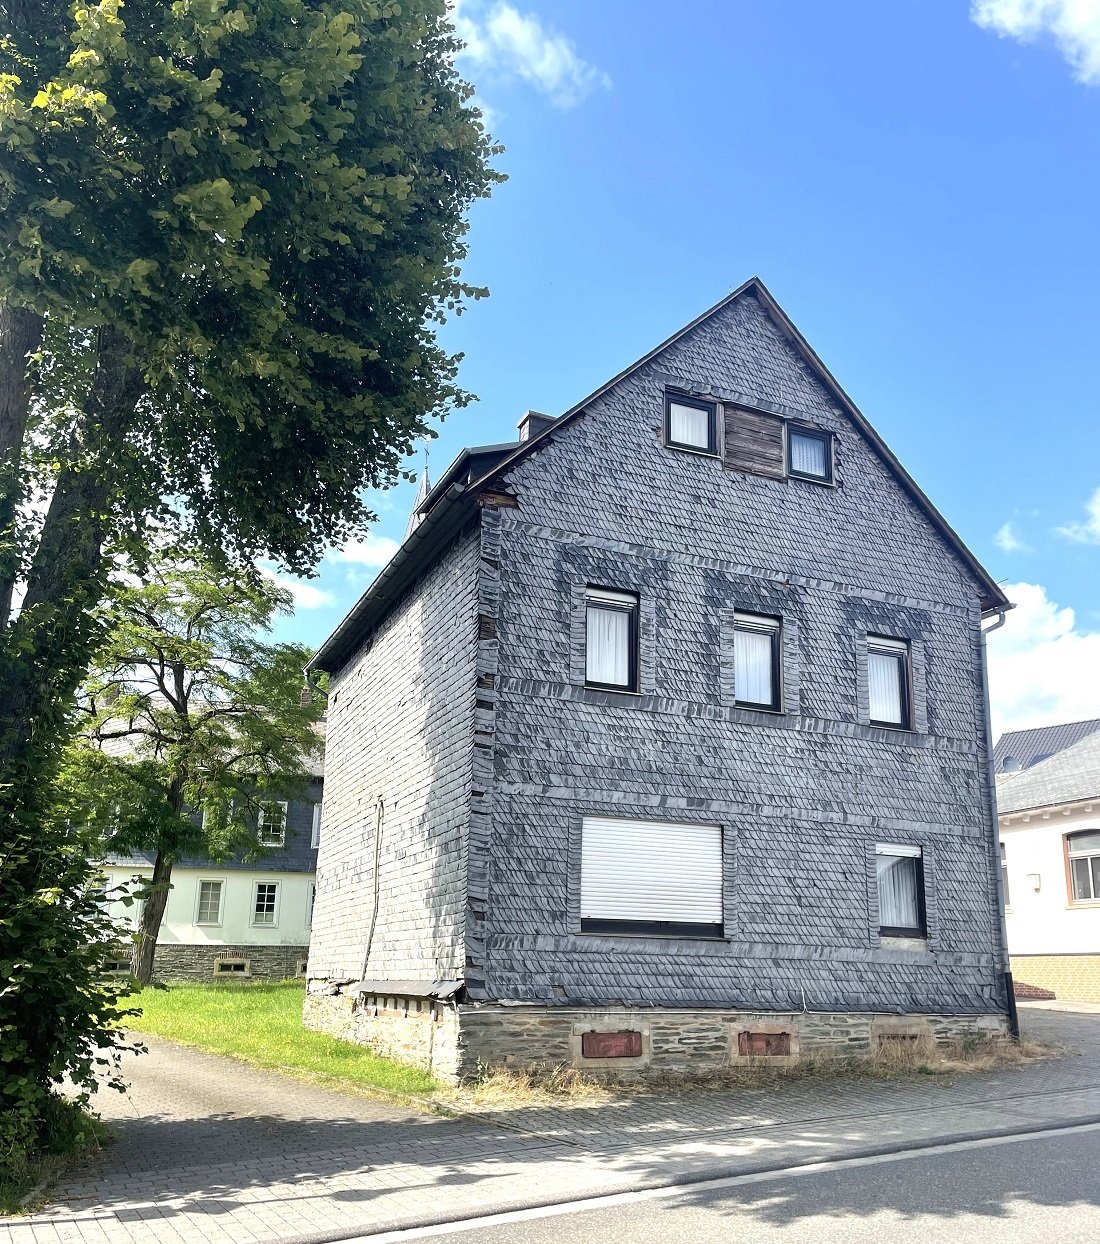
{"points": [[208, 1148]]}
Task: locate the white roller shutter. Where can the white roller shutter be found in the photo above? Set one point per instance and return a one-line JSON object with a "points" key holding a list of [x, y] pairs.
{"points": [[651, 870]]}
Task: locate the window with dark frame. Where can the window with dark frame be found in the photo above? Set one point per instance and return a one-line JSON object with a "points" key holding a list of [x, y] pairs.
{"points": [[757, 674], [900, 873], [810, 454], [652, 878], [691, 424], [611, 639], [888, 694], [1083, 853]]}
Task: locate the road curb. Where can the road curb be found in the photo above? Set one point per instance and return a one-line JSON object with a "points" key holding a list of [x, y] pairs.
{"points": [[716, 1172]]}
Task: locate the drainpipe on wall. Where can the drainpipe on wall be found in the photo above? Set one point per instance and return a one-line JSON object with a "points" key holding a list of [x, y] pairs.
{"points": [[991, 783]]}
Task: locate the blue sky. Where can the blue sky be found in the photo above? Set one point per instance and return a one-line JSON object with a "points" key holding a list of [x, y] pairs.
{"points": [[917, 182]]}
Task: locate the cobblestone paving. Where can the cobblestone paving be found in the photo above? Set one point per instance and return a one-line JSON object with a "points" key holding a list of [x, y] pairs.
{"points": [[207, 1148]]}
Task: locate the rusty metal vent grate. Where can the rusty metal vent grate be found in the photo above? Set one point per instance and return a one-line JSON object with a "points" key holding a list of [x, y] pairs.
{"points": [[763, 1044], [624, 1044]]}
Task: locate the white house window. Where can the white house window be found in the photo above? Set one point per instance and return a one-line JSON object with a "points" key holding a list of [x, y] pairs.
{"points": [[691, 424], [653, 877], [900, 870], [611, 639], [265, 901], [888, 682], [809, 454], [311, 898], [1084, 867], [1004, 876], [756, 672], [315, 835], [272, 824], [209, 907]]}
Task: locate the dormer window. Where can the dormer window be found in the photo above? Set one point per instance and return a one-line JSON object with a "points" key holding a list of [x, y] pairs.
{"points": [[810, 454], [691, 424]]}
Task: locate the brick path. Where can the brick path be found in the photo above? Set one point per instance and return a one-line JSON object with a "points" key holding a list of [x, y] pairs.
{"points": [[207, 1148]]}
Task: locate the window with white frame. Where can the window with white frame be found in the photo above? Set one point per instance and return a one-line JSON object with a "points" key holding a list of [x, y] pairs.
{"points": [[810, 454], [208, 909], [315, 834], [691, 424], [272, 824], [1004, 876], [265, 903], [756, 675], [900, 871], [611, 639], [311, 898], [651, 877], [1084, 866], [888, 682]]}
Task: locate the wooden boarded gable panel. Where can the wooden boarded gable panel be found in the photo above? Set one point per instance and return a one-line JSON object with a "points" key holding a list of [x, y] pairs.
{"points": [[754, 442]]}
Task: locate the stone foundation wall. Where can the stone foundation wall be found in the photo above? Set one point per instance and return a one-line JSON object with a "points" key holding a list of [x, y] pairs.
{"points": [[461, 1043], [197, 963], [1072, 978], [411, 1030]]}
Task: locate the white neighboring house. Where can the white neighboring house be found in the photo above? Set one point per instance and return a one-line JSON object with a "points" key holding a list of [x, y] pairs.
{"points": [[1050, 853], [235, 919]]}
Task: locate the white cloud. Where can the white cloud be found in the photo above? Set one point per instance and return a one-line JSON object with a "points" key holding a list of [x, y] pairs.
{"points": [[304, 594], [1087, 532], [1043, 668], [1073, 24], [504, 42], [1008, 541], [372, 551]]}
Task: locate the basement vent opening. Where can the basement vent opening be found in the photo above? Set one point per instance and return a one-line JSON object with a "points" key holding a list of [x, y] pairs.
{"points": [[117, 965], [624, 1044], [764, 1044], [301, 967], [899, 1038], [231, 967]]}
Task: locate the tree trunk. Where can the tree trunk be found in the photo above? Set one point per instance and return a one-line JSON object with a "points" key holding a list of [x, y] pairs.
{"points": [[45, 652], [152, 913], [156, 899], [20, 336]]}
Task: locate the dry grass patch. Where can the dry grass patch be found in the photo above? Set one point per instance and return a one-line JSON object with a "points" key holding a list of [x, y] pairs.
{"points": [[567, 1087]]}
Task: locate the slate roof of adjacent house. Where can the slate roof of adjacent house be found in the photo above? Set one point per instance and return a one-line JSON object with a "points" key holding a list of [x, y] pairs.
{"points": [[1071, 776], [1028, 747], [452, 503]]}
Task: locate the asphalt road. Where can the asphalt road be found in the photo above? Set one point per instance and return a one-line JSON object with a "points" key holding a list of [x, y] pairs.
{"points": [[1028, 1191]]}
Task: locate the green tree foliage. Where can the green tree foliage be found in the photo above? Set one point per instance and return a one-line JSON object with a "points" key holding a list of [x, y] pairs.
{"points": [[188, 707], [227, 231]]}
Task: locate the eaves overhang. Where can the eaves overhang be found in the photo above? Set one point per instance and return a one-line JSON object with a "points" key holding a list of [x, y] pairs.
{"points": [[451, 511]]}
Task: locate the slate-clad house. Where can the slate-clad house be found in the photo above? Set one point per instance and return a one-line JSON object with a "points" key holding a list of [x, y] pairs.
{"points": [[239, 918], [662, 739]]}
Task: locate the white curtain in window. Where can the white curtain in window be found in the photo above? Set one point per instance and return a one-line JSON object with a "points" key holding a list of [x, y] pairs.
{"points": [[897, 891], [753, 667], [688, 425], [884, 674], [808, 455], [608, 646]]}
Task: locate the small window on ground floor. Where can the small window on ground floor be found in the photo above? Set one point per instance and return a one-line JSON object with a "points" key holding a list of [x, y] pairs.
{"points": [[209, 907], [656, 877], [900, 871], [231, 967]]}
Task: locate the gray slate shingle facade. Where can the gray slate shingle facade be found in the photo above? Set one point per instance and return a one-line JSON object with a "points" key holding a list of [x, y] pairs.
{"points": [[464, 748]]}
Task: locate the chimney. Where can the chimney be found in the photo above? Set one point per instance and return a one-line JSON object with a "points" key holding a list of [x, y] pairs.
{"points": [[533, 423]]}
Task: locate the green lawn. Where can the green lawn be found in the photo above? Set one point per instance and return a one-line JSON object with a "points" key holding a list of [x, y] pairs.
{"points": [[261, 1024]]}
